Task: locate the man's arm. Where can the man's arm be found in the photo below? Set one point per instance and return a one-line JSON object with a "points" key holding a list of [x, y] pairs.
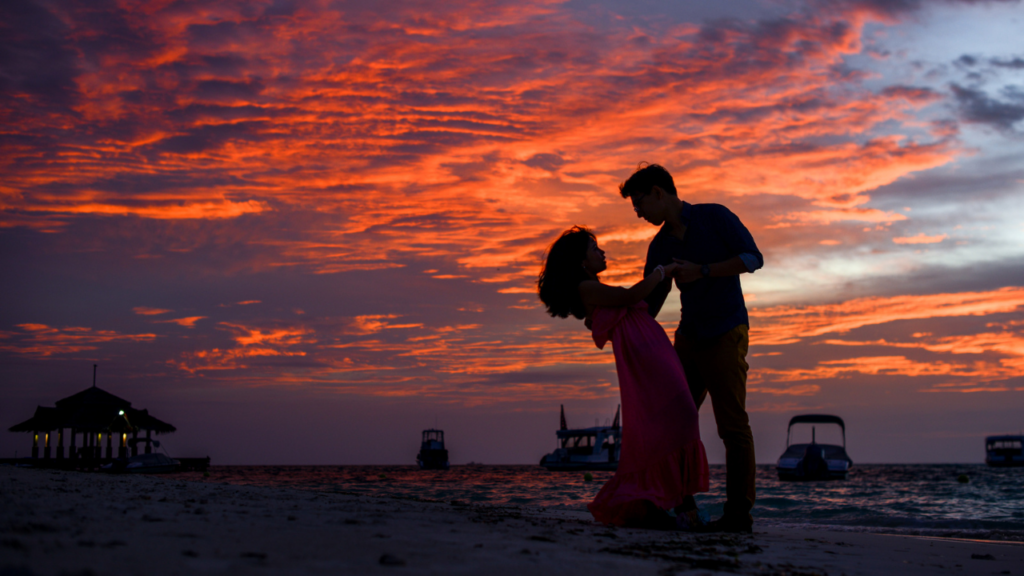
{"points": [[738, 240]]}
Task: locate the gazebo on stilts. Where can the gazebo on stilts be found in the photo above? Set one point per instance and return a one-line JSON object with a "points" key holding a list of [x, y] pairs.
{"points": [[96, 416]]}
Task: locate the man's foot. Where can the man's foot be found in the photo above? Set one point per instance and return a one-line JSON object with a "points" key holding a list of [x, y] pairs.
{"points": [[731, 525]]}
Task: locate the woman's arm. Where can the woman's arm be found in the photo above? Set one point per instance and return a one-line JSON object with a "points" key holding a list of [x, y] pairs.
{"points": [[595, 293]]}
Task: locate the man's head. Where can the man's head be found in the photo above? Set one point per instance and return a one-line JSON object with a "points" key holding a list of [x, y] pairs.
{"points": [[652, 192]]}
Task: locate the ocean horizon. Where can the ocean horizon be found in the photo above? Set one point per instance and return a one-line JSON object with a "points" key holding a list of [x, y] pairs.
{"points": [[972, 501]]}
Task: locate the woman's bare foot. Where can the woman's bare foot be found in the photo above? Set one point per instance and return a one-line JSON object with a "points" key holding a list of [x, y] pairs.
{"points": [[654, 518], [688, 515]]}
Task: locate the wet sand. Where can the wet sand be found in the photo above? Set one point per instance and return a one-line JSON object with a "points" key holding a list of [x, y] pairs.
{"points": [[70, 523]]}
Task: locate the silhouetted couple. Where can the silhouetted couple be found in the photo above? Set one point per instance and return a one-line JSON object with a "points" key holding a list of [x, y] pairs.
{"points": [[703, 248]]}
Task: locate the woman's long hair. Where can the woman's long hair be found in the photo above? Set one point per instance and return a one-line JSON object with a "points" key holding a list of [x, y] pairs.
{"points": [[559, 281]]}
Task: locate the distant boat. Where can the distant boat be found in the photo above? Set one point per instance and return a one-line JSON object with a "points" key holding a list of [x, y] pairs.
{"points": [[594, 448], [814, 461], [155, 463], [1004, 451], [433, 455]]}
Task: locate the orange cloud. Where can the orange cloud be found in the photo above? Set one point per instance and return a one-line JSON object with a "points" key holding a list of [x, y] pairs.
{"points": [[642, 233], [988, 357], [42, 341], [798, 390], [920, 239], [370, 324], [232, 359], [247, 336], [868, 365], [147, 311], [465, 138], [192, 210], [411, 136], [189, 322], [790, 324]]}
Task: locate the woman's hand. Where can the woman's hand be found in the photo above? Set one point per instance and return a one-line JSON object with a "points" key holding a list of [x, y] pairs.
{"points": [[670, 270]]}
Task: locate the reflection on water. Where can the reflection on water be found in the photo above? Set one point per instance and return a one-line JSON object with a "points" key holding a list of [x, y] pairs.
{"points": [[921, 498]]}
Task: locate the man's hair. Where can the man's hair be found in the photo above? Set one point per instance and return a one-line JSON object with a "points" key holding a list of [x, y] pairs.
{"points": [[559, 283], [646, 177]]}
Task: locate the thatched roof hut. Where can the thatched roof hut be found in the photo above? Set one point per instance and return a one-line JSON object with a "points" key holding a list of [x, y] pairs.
{"points": [[93, 412]]}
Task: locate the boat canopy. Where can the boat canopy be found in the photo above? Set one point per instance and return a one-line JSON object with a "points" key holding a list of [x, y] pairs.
{"points": [[816, 419], [573, 432], [433, 434], [1017, 437]]}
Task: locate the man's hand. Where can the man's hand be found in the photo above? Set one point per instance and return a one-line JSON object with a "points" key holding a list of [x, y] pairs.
{"points": [[686, 271]]}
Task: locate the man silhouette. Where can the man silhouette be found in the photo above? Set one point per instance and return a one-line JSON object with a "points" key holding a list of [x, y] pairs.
{"points": [[713, 248]]}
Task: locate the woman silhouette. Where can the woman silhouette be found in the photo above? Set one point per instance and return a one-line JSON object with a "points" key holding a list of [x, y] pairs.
{"points": [[662, 463]]}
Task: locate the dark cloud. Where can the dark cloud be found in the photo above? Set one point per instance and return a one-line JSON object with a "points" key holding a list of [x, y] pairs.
{"points": [[897, 8], [967, 60], [424, 221], [1016, 63], [986, 182], [976, 106], [549, 162], [281, 8], [911, 93], [229, 90], [130, 184], [196, 112], [107, 33], [211, 137], [214, 36], [36, 57], [980, 276]]}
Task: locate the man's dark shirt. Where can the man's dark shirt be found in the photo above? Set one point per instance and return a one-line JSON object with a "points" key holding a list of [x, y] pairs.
{"points": [[711, 306]]}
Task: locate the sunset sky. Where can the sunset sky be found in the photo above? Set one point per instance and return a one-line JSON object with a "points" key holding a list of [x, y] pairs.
{"points": [[302, 232]]}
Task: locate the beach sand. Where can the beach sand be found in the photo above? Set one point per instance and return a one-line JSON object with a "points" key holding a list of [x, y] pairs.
{"points": [[69, 523]]}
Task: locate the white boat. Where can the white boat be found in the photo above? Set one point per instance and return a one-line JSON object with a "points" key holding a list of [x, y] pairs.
{"points": [[432, 455], [814, 461], [1004, 451], [595, 448], [143, 464]]}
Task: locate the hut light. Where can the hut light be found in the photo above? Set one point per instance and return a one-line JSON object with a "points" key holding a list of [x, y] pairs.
{"points": [[120, 413]]}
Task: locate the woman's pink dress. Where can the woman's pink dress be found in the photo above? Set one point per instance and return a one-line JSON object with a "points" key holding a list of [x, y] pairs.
{"points": [[662, 458]]}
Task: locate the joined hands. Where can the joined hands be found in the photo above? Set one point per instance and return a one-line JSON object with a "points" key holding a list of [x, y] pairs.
{"points": [[684, 271]]}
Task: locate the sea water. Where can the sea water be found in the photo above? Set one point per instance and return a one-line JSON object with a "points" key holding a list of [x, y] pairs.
{"points": [[910, 499]]}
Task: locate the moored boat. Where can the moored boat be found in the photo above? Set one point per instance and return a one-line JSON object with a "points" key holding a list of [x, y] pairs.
{"points": [[155, 463], [432, 455], [595, 448], [1004, 451], [814, 461]]}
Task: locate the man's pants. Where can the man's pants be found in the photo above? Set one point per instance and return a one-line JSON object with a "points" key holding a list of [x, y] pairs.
{"points": [[718, 366]]}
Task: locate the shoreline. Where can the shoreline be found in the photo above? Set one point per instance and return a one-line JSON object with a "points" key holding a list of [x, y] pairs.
{"points": [[54, 522]]}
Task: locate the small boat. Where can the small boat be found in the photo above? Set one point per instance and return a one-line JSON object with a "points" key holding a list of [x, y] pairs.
{"points": [[594, 448], [1004, 451], [814, 461], [142, 464], [433, 455]]}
